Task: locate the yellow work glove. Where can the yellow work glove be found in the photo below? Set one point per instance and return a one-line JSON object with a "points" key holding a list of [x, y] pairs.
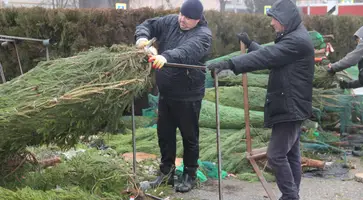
{"points": [[141, 43], [158, 61]]}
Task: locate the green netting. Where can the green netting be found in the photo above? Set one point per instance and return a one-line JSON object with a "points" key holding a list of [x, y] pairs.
{"points": [[140, 121], [317, 39], [344, 105], [322, 136], [233, 146], [338, 106], [151, 111], [353, 72], [254, 80], [153, 100], [326, 80], [206, 169], [233, 96], [230, 117], [212, 170]]}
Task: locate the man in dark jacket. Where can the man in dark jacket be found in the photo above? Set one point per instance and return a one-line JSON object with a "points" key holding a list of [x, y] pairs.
{"points": [[185, 39], [352, 58], [289, 92]]}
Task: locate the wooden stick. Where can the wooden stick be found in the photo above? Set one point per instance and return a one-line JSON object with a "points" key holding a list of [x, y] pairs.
{"points": [[307, 162]]}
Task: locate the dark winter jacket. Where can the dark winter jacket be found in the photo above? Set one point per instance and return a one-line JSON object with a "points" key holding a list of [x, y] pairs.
{"points": [[178, 46], [291, 64], [353, 58]]}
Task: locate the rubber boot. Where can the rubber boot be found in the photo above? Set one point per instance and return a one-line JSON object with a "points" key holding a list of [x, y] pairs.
{"points": [[188, 181], [298, 198], [288, 199], [357, 153], [163, 178], [357, 148]]}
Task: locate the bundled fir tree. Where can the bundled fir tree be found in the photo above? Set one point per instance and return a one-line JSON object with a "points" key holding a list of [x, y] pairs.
{"points": [[60, 100]]}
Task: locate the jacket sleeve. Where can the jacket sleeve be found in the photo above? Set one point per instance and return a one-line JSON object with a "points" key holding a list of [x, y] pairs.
{"points": [[151, 28], [354, 84], [280, 54], [254, 46], [191, 51], [350, 59]]}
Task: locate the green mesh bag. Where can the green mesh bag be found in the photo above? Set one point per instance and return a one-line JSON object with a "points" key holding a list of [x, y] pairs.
{"points": [[353, 72], [317, 39]]}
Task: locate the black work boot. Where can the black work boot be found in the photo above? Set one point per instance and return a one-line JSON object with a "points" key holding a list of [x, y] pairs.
{"points": [[288, 199], [357, 153], [357, 148], [298, 198], [163, 178], [188, 181]]}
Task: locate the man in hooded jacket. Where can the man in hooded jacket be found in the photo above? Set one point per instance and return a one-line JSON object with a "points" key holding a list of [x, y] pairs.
{"points": [[184, 39], [289, 90], [352, 58]]}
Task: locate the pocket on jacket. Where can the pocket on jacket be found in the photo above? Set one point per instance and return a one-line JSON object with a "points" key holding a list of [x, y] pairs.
{"points": [[276, 104]]}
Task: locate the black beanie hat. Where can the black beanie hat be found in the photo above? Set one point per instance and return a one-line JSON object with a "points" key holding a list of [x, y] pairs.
{"points": [[192, 9]]}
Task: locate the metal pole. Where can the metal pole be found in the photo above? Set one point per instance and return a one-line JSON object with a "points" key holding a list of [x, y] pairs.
{"points": [[21, 38], [247, 114], [17, 54], [177, 65], [47, 51], [133, 137], [245, 103], [2, 73], [235, 6], [218, 137]]}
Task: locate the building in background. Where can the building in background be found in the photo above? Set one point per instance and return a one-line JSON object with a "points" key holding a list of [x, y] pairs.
{"points": [[170, 4], [309, 7], [333, 7], [135, 4], [236, 6], [231, 5], [40, 3]]}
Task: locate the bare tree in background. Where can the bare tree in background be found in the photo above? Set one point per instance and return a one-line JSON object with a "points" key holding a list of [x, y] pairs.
{"points": [[112, 3], [257, 6], [103, 3], [162, 4], [62, 3], [222, 4], [169, 4], [250, 5]]}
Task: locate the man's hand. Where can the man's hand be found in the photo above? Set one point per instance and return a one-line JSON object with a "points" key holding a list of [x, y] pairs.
{"points": [[344, 84], [152, 51], [330, 69], [219, 66], [141, 43], [158, 61], [243, 37]]}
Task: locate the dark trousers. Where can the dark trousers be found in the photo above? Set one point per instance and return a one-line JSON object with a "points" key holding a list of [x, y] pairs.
{"points": [[284, 158], [185, 116]]}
